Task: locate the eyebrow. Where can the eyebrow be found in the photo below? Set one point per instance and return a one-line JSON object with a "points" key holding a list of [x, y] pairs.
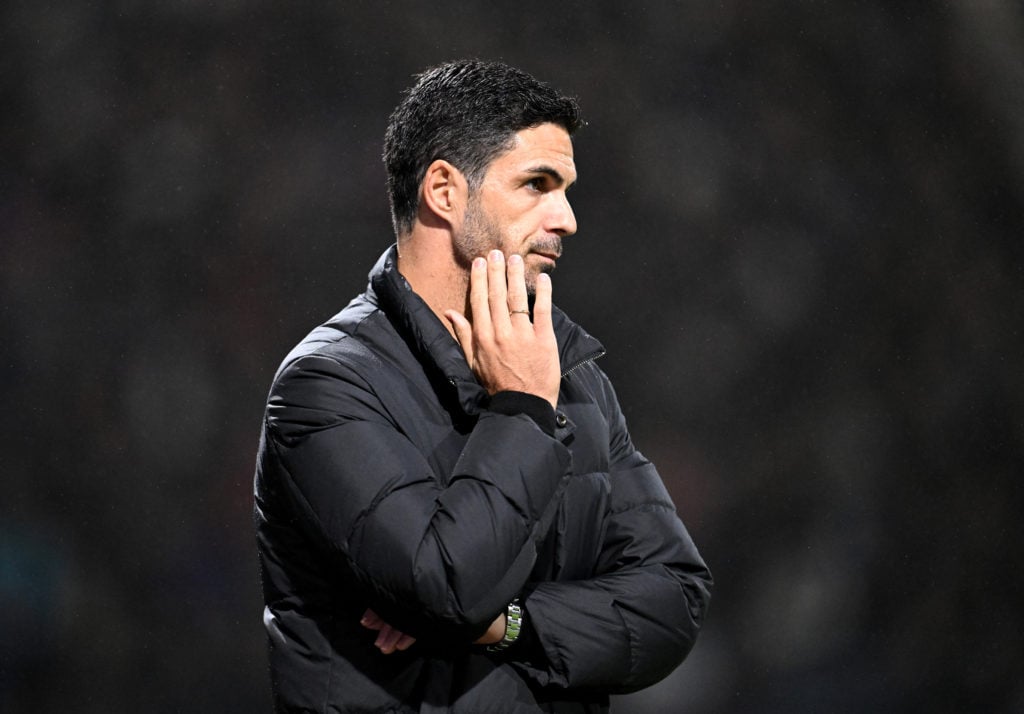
{"points": [[549, 171]]}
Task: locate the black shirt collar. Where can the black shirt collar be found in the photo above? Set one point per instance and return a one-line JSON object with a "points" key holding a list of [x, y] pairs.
{"points": [[435, 346]]}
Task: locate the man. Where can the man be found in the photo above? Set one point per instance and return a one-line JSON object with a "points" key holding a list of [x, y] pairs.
{"points": [[450, 513]]}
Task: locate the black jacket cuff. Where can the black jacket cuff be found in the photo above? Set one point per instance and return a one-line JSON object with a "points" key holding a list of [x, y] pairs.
{"points": [[537, 408]]}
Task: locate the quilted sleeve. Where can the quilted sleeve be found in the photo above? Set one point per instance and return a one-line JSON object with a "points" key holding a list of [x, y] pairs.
{"points": [[431, 555], [638, 617]]}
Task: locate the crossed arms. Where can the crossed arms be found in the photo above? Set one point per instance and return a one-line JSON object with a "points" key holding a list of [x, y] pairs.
{"points": [[438, 573]]}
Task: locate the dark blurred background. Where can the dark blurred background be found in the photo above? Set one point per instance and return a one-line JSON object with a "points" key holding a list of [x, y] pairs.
{"points": [[800, 240]]}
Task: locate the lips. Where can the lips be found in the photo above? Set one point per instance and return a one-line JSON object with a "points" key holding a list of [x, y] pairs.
{"points": [[550, 256], [550, 249]]}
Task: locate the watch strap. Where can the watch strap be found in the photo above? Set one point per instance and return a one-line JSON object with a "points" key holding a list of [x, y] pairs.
{"points": [[513, 627]]}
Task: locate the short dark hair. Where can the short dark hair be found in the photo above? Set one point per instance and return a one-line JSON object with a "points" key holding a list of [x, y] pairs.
{"points": [[465, 112]]}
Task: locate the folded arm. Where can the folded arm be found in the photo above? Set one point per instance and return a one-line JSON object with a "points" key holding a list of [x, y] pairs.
{"points": [[638, 616], [431, 553]]}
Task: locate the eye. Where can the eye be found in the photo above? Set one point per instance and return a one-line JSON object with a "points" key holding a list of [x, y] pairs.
{"points": [[538, 183]]}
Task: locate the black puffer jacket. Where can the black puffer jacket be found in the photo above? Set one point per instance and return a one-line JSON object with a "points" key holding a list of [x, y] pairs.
{"points": [[388, 479]]}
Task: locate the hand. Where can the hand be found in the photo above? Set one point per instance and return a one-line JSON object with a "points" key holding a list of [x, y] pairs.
{"points": [[503, 348], [495, 633], [389, 639]]}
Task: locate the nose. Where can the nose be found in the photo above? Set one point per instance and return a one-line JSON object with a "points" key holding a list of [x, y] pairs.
{"points": [[562, 219]]}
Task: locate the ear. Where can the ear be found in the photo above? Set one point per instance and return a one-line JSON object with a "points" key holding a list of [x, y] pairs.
{"points": [[444, 192]]}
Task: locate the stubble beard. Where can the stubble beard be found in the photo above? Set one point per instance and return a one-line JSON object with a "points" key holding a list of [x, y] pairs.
{"points": [[481, 234]]}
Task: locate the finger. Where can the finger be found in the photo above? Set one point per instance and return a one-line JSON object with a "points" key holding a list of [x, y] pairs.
{"points": [[463, 333], [404, 642], [517, 299], [387, 639], [371, 620], [542, 304], [497, 293], [481, 314]]}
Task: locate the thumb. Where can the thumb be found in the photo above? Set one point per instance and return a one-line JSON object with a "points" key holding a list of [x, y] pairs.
{"points": [[463, 332]]}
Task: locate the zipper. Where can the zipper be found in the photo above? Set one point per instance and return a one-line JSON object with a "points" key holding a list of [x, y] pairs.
{"points": [[588, 358]]}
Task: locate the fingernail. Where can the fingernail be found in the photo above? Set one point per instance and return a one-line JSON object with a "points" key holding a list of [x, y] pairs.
{"points": [[515, 259], [497, 255], [479, 263]]}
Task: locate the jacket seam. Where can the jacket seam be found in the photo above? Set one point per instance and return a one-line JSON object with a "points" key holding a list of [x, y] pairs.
{"points": [[643, 504]]}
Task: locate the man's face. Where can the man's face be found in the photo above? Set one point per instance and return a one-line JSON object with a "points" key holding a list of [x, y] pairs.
{"points": [[520, 205]]}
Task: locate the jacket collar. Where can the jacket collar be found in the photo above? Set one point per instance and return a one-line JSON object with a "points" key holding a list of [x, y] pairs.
{"points": [[434, 345]]}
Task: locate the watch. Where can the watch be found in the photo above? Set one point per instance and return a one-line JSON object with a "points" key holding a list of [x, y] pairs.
{"points": [[513, 626]]}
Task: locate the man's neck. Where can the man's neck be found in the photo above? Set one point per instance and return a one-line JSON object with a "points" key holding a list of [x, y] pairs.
{"points": [[426, 261]]}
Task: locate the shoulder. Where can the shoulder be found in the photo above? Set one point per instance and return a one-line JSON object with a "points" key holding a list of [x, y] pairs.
{"points": [[355, 339], [330, 374]]}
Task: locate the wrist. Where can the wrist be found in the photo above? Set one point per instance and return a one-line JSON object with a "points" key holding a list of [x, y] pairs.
{"points": [[513, 627]]}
